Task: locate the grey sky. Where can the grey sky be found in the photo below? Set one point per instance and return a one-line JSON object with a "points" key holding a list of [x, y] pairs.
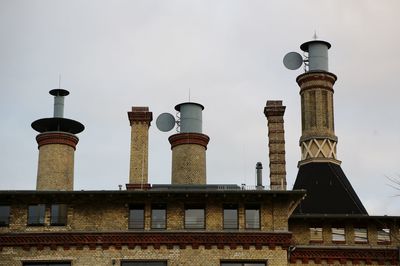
{"points": [[116, 54]]}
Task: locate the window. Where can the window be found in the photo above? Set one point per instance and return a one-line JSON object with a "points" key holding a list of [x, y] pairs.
{"points": [[158, 216], [58, 214], [47, 264], [36, 214], [384, 236], [4, 215], [316, 234], [230, 216], [360, 235], [136, 217], [194, 217], [252, 216], [143, 263], [338, 234], [229, 263]]}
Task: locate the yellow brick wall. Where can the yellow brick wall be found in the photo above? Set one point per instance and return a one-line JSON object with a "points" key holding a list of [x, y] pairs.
{"points": [[109, 214], [55, 167], [189, 164]]}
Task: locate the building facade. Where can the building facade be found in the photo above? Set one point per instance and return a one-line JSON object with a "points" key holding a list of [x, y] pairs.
{"points": [[321, 221]]}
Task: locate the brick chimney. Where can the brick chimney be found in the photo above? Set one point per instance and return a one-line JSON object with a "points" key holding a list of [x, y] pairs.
{"points": [[274, 111], [56, 143], [189, 147], [140, 119]]}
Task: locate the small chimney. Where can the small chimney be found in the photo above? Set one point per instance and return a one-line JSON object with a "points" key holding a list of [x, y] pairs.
{"points": [[189, 146], [259, 175], [56, 143], [140, 119], [274, 111]]}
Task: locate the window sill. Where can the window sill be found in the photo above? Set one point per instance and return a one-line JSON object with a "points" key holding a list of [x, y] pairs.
{"points": [[338, 241], [361, 242], [316, 241], [384, 242], [35, 224]]}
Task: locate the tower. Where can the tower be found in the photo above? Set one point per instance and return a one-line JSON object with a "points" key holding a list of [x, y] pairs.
{"points": [[56, 143], [328, 189]]}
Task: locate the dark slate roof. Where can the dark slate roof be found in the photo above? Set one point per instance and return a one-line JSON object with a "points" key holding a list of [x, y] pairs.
{"points": [[328, 190]]}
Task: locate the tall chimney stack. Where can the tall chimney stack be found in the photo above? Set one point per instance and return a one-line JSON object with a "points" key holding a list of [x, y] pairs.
{"points": [[140, 119], [189, 146], [56, 143], [274, 111], [320, 172], [318, 140]]}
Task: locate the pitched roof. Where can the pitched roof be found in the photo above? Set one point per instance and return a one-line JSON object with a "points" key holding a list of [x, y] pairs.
{"points": [[328, 190]]}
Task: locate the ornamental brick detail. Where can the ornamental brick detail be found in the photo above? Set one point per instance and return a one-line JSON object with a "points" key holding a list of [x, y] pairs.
{"points": [[353, 255], [145, 239], [140, 114], [189, 138], [62, 138]]}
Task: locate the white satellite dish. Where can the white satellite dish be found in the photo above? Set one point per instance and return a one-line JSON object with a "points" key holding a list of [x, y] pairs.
{"points": [[165, 122], [293, 60]]}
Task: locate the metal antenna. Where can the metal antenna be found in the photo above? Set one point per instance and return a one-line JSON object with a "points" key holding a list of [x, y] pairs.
{"points": [[189, 94], [59, 81], [315, 35]]}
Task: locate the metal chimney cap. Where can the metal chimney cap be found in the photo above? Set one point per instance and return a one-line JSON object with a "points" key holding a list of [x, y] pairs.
{"points": [[259, 165], [57, 124], [305, 45], [59, 92], [178, 107]]}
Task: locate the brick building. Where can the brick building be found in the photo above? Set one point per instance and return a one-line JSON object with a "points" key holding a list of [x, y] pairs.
{"points": [[190, 222]]}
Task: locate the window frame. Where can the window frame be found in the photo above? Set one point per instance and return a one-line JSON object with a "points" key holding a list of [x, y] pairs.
{"points": [[61, 220], [131, 222], [320, 230], [381, 232], [40, 217], [194, 226], [159, 206], [341, 237], [359, 239], [6, 221], [246, 223], [230, 207]]}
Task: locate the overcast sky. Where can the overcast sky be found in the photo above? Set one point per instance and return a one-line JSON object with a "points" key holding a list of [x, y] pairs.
{"points": [[113, 55]]}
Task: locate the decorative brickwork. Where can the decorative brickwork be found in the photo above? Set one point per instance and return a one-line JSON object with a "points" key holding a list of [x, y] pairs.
{"points": [[274, 111], [143, 240], [189, 158], [318, 140], [189, 138], [56, 161], [62, 138], [140, 119], [344, 256], [174, 255]]}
